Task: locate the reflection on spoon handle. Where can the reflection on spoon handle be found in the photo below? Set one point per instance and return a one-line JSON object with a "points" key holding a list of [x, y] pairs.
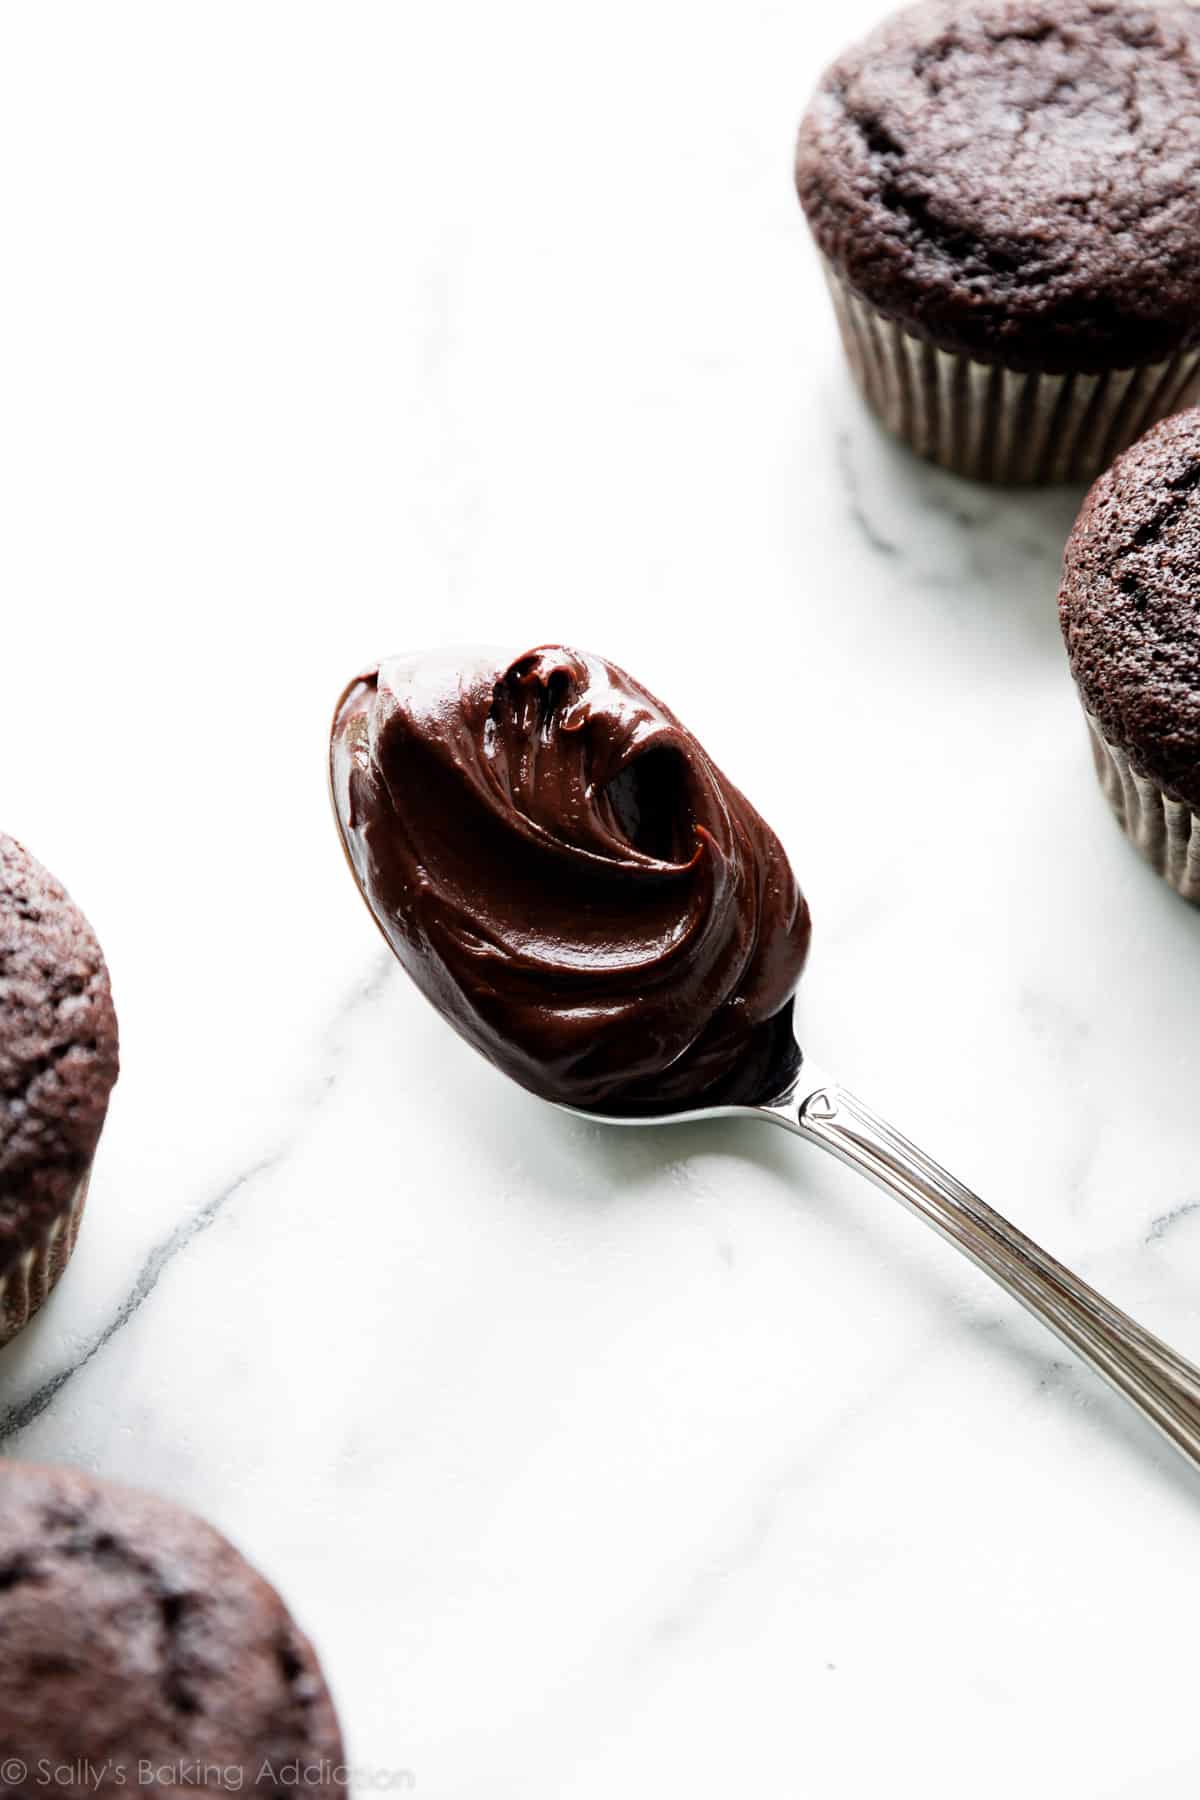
{"points": [[1163, 1386]]}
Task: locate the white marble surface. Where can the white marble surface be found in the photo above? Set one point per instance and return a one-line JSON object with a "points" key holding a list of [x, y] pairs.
{"points": [[667, 1464]]}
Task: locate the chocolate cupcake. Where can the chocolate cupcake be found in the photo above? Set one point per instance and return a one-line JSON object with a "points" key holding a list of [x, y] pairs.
{"points": [[1006, 197], [58, 1062], [1130, 610], [138, 1649]]}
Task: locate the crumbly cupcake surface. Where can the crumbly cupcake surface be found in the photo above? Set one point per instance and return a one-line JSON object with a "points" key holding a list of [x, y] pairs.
{"points": [[1130, 605], [132, 1636], [58, 1049], [1018, 181]]}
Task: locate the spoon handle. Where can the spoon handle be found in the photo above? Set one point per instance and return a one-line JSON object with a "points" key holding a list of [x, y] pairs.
{"points": [[1163, 1386]]}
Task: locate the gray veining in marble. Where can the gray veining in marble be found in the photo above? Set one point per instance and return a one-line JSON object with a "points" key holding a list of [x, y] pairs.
{"points": [[677, 1466]]}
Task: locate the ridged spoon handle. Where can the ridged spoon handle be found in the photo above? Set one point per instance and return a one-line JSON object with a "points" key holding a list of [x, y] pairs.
{"points": [[1163, 1386]]}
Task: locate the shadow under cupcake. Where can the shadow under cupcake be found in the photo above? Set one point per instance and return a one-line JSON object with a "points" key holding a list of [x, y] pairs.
{"points": [[58, 1063], [1006, 198]]}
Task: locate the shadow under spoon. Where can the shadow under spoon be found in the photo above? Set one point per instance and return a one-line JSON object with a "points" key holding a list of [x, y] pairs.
{"points": [[1163, 1386]]}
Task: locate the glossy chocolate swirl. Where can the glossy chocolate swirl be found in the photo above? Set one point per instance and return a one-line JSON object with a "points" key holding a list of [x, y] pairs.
{"points": [[569, 879]]}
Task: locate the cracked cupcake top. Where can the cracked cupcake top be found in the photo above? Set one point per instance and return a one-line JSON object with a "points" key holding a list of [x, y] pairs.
{"points": [[1130, 605], [58, 1049], [569, 879], [130, 1632], [1018, 180]]}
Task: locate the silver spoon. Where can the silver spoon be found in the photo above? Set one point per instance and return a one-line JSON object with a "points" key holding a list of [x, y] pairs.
{"points": [[1163, 1387]]}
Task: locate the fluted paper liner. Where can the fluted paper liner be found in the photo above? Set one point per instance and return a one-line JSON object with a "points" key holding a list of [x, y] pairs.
{"points": [[996, 424], [31, 1279], [1165, 831]]}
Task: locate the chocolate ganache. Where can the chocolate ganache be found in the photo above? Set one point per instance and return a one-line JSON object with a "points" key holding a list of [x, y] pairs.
{"points": [[569, 879]]}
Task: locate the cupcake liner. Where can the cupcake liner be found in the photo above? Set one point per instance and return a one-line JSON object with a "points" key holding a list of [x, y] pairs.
{"points": [[996, 424], [33, 1277], [1165, 831]]}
